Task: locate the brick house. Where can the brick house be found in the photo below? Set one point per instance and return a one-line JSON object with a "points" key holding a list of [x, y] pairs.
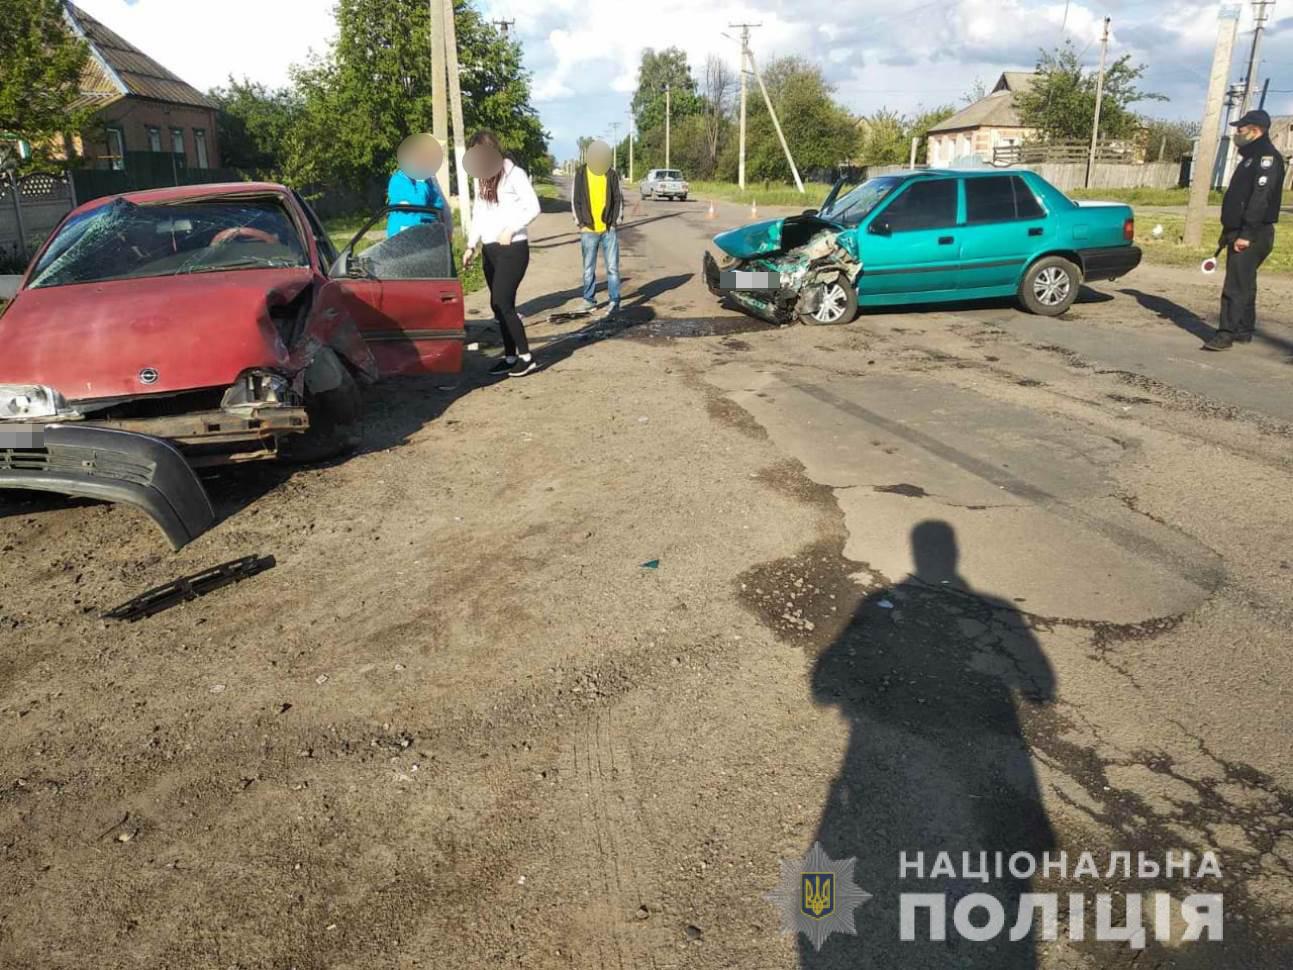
{"points": [[140, 106], [991, 122]]}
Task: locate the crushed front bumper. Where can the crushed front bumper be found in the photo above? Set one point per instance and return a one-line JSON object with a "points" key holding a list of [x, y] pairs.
{"points": [[109, 465], [759, 292]]}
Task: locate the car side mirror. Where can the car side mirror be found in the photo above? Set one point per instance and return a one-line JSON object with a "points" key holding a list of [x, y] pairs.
{"points": [[881, 228], [341, 267], [810, 212]]}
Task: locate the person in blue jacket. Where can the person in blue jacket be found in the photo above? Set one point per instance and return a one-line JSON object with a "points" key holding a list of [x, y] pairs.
{"points": [[414, 184]]}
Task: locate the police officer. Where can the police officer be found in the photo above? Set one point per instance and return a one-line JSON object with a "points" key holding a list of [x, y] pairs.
{"points": [[1249, 211]]}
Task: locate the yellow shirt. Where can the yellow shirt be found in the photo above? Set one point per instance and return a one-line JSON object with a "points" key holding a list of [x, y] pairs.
{"points": [[597, 200]]}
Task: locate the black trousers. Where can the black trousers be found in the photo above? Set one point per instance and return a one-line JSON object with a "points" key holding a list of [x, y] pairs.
{"points": [[1239, 295], [505, 267]]}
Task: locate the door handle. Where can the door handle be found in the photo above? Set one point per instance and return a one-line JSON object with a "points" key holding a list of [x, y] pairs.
{"points": [[945, 240], [1036, 231], [448, 298]]}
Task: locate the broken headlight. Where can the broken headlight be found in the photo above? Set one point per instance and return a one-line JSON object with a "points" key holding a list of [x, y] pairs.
{"points": [[21, 402], [259, 388]]}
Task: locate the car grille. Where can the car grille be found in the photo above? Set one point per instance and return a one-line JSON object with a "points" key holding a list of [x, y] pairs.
{"points": [[79, 461]]}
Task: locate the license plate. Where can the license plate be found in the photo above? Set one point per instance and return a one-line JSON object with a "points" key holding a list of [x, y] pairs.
{"points": [[21, 436], [745, 280]]}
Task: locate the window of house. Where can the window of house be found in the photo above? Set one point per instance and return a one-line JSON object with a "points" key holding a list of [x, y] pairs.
{"points": [[200, 142], [177, 141], [1000, 198], [154, 139], [927, 204], [116, 149]]}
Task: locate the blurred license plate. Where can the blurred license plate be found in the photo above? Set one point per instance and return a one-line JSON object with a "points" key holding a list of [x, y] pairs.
{"points": [[21, 436], [744, 280]]}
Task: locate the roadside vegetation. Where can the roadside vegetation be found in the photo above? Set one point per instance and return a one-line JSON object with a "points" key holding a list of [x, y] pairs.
{"points": [[764, 193], [1170, 248], [1164, 198]]}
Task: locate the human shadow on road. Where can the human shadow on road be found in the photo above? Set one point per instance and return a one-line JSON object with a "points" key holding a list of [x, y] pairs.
{"points": [[1192, 323], [929, 674]]}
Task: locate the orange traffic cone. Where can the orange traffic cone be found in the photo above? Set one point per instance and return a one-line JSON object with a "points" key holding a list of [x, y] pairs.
{"points": [[711, 214]]}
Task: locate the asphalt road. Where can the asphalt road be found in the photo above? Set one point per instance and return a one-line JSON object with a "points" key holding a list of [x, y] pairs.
{"points": [[558, 672]]}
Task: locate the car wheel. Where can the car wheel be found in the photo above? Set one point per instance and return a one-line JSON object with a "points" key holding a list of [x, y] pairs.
{"points": [[1050, 286], [839, 304], [335, 423], [683, 198]]}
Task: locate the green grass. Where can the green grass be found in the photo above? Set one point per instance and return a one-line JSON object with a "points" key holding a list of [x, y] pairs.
{"points": [[1171, 250], [1142, 196], [342, 229], [765, 193]]}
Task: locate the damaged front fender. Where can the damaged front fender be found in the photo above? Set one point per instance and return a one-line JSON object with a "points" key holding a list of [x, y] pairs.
{"points": [[797, 283]]}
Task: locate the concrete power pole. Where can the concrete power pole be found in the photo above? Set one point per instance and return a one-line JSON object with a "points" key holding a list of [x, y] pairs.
{"points": [[799, 183], [745, 51], [1099, 98], [455, 108], [668, 110], [439, 103], [630, 145], [1209, 133], [615, 145], [1261, 10]]}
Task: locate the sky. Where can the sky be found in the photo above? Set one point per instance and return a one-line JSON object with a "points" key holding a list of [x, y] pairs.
{"points": [[900, 54]]}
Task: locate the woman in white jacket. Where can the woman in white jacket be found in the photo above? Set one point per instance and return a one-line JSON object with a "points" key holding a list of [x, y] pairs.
{"points": [[505, 205]]}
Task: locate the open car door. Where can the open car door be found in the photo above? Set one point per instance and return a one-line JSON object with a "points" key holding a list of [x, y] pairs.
{"points": [[404, 295]]}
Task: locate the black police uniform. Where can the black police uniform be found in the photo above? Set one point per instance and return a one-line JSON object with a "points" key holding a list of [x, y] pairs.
{"points": [[1249, 210]]}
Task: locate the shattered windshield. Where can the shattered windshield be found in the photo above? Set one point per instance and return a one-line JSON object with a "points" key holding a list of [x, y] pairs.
{"points": [[123, 240], [851, 207]]}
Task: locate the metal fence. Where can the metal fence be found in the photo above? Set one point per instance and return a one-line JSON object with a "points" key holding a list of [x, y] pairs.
{"points": [[146, 170], [30, 214]]}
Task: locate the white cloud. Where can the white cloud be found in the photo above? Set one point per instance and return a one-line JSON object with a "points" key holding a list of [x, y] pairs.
{"points": [[205, 43]]}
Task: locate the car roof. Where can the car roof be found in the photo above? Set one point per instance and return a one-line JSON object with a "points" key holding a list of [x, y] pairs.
{"points": [[941, 173], [185, 193]]}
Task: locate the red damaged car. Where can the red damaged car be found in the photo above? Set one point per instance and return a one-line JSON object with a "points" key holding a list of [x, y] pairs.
{"points": [[162, 331]]}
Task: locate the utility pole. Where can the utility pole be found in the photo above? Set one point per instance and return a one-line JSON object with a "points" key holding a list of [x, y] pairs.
{"points": [[1209, 133], [504, 26], [439, 78], [455, 108], [799, 183], [1261, 10], [745, 52], [630, 145], [1099, 97], [668, 110], [615, 145]]}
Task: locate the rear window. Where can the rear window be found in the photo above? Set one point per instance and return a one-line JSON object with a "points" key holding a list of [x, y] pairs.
{"points": [[124, 240], [1001, 198], [669, 173]]}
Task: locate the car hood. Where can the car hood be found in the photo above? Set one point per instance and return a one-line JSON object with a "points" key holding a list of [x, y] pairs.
{"points": [[762, 238], [95, 340]]}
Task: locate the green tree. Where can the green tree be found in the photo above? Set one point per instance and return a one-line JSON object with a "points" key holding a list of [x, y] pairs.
{"points": [[658, 69], [40, 76], [821, 133], [373, 88], [1169, 141], [1061, 103], [255, 127], [884, 138]]}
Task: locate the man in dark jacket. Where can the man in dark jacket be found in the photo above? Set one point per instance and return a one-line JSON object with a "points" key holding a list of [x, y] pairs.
{"points": [[1249, 211], [598, 204]]}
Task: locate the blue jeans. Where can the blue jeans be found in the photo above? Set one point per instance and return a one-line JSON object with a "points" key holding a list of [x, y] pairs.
{"points": [[589, 243]]}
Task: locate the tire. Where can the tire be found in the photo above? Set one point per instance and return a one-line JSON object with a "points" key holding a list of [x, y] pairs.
{"points": [[839, 305], [1050, 286], [336, 424], [646, 194], [682, 198]]}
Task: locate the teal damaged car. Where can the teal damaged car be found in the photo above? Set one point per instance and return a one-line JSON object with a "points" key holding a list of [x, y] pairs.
{"points": [[924, 237]]}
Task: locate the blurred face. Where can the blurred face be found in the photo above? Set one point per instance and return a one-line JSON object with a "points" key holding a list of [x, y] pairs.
{"points": [[482, 162], [419, 156], [599, 157], [1247, 133]]}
